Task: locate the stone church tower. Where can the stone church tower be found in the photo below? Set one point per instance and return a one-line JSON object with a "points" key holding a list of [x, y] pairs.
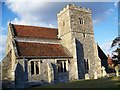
{"points": [[76, 32]]}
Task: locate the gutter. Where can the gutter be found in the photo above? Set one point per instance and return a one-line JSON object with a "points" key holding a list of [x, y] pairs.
{"points": [[43, 57]]}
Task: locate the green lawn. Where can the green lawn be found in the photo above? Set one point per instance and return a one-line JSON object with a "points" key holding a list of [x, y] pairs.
{"points": [[113, 82]]}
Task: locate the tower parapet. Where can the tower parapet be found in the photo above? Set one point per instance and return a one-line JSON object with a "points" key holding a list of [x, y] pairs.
{"points": [[74, 7]]}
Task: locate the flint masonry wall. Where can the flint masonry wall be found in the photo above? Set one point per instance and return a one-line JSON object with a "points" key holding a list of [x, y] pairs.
{"points": [[9, 40], [6, 67], [84, 36], [78, 38], [48, 72], [64, 29], [44, 71]]}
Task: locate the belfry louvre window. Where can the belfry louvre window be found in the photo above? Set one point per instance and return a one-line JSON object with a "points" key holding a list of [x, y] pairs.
{"points": [[61, 66], [81, 20]]}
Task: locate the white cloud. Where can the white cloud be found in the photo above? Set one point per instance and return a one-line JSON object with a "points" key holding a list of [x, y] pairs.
{"points": [[2, 29], [24, 22], [109, 12], [96, 21], [106, 47], [116, 3], [2, 46], [119, 23], [30, 13], [44, 13], [2, 42], [105, 14]]}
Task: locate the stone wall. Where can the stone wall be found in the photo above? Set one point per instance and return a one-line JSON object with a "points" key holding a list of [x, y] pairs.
{"points": [[84, 35], [47, 72], [6, 71], [9, 40], [79, 39], [7, 67], [64, 29]]}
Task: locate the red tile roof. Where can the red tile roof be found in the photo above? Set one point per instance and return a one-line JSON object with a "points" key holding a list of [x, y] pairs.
{"points": [[40, 49], [33, 31]]}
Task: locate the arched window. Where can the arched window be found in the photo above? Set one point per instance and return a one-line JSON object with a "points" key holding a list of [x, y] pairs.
{"points": [[35, 67], [61, 66], [81, 21]]}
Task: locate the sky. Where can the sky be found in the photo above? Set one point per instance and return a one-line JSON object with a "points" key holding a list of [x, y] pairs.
{"points": [[104, 17]]}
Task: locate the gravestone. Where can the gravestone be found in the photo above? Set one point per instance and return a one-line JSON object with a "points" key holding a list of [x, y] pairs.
{"points": [[87, 76], [95, 75], [103, 72]]}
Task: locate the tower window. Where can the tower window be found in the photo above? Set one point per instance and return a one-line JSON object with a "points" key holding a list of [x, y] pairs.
{"points": [[81, 21], [84, 34], [87, 67], [86, 63], [63, 23]]}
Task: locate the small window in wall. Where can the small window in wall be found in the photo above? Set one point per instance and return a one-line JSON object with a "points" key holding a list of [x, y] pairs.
{"points": [[86, 63], [63, 23], [84, 35], [32, 67], [81, 21], [37, 67]]}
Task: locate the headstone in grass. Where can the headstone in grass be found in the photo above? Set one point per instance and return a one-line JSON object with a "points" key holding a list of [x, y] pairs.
{"points": [[103, 72], [95, 75], [87, 76]]}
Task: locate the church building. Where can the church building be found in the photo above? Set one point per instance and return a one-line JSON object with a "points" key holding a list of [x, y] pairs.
{"points": [[41, 55]]}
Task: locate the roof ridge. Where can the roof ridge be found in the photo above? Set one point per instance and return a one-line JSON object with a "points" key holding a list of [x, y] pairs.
{"points": [[34, 31], [37, 42], [34, 26]]}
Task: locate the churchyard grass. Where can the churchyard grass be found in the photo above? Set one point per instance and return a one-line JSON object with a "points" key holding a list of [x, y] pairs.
{"points": [[111, 82]]}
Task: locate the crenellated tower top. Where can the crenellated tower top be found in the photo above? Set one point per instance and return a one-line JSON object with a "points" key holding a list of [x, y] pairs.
{"points": [[73, 7]]}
